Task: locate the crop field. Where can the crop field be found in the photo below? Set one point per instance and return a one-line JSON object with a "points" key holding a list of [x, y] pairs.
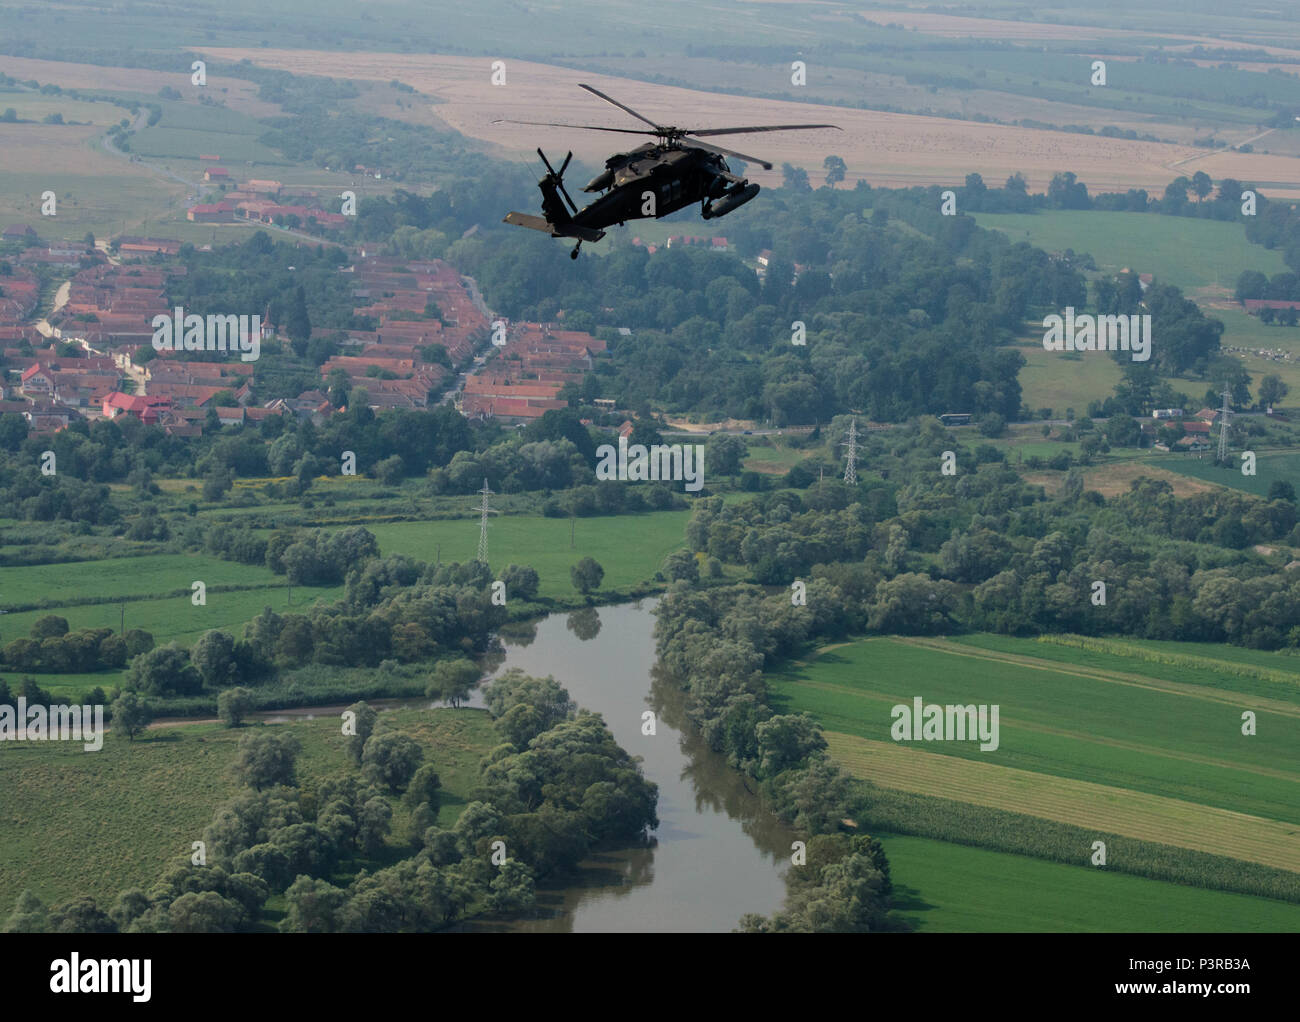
{"points": [[945, 888], [186, 130], [1093, 806], [99, 823], [890, 149], [1188, 253], [629, 547], [1078, 743], [1270, 467], [1252, 672], [1111, 479], [36, 106], [238, 93]]}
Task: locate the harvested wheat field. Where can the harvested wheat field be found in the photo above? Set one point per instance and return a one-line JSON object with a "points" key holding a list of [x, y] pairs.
{"points": [[238, 93], [893, 150], [1116, 480]]}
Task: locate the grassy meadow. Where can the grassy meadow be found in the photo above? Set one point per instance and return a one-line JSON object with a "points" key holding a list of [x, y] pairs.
{"points": [[1191, 254], [629, 547], [74, 822]]}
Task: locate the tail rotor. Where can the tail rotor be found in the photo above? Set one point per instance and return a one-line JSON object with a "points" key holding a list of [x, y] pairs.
{"points": [[558, 177]]}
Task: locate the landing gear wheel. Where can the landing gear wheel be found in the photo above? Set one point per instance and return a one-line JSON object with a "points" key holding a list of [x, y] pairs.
{"points": [[574, 253]]}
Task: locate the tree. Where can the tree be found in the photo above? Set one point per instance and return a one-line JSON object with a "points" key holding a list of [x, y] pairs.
{"points": [[425, 788], [1123, 431], [835, 170], [524, 707], [1272, 391], [206, 912], [297, 323], [1251, 284], [389, 471], [1201, 185], [1065, 191], [164, 670], [265, 759], [392, 759], [218, 482], [521, 582], [1280, 489], [234, 704], [131, 714], [213, 654], [681, 564], [49, 626], [786, 741], [312, 906], [794, 178], [586, 575], [726, 453], [452, 680], [1176, 191], [365, 726], [29, 915], [512, 888]]}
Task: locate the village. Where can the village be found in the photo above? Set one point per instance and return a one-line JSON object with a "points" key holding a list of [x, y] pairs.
{"points": [[94, 356]]}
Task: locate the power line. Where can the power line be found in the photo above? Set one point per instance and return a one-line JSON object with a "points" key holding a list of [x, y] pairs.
{"points": [[851, 469], [484, 511], [1224, 413]]}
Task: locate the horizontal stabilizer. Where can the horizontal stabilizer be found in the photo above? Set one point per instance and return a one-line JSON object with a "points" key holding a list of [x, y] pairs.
{"points": [[565, 230], [535, 223]]}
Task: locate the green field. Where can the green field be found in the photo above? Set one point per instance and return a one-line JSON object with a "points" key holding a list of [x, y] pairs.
{"points": [[629, 547], [75, 822], [1283, 466], [1189, 253], [1252, 672], [1061, 380], [140, 582], [945, 888], [1082, 730], [1242, 330], [774, 459], [188, 129], [86, 201]]}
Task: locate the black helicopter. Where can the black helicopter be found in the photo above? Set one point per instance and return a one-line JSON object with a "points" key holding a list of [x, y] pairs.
{"points": [[651, 181]]}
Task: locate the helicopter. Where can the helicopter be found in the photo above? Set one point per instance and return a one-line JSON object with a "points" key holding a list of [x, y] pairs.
{"points": [[649, 181]]}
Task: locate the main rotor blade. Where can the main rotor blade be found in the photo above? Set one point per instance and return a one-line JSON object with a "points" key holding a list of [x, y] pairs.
{"points": [[621, 106], [584, 127], [730, 152], [763, 127]]}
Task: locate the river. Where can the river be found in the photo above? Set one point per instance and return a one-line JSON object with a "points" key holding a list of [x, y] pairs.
{"points": [[717, 853]]}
